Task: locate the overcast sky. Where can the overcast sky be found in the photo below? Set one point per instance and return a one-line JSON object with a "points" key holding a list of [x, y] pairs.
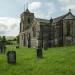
{"points": [[10, 11]]}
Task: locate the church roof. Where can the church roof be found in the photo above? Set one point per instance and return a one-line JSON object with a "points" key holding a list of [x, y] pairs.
{"points": [[69, 15], [42, 20]]}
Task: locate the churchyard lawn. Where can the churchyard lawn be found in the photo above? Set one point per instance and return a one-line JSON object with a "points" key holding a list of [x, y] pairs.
{"points": [[55, 61]]}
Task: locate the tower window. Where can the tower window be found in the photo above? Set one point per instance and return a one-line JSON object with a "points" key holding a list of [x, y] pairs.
{"points": [[28, 20], [34, 32]]}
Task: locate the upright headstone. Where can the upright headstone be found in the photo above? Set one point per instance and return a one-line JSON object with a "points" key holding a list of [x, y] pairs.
{"points": [[45, 47], [17, 46], [11, 57], [39, 53]]}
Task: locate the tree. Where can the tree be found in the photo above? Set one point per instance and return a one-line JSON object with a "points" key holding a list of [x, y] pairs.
{"points": [[17, 39], [4, 39], [0, 38]]}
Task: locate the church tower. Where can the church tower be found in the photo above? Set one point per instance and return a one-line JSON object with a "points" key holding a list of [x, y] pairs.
{"points": [[26, 19], [25, 25]]}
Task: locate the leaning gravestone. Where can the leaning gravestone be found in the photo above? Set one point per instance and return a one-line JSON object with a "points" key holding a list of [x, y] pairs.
{"points": [[11, 57], [39, 53]]}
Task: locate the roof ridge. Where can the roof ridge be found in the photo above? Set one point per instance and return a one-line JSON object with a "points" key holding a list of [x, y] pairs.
{"points": [[41, 18], [61, 17]]}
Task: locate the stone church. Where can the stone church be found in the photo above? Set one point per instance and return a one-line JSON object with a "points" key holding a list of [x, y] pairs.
{"points": [[36, 32]]}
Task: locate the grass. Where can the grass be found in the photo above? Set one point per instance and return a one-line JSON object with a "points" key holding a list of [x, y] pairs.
{"points": [[56, 61]]}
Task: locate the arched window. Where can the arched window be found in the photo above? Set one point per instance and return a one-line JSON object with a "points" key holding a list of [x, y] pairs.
{"points": [[28, 20], [34, 32], [68, 28]]}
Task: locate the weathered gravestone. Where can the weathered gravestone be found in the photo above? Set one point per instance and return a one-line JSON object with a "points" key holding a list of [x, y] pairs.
{"points": [[11, 57], [39, 53]]}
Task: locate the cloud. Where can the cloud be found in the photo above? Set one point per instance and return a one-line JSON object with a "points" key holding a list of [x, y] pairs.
{"points": [[25, 0], [65, 5], [66, 2], [49, 8], [9, 26], [42, 9], [14, 26], [35, 5]]}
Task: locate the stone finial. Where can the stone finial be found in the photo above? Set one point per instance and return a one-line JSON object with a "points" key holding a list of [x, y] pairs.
{"points": [[69, 10], [51, 20]]}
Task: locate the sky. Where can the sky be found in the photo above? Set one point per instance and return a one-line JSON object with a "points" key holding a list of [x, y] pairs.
{"points": [[10, 11]]}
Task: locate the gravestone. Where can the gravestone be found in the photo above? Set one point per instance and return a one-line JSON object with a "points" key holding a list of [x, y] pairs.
{"points": [[17, 46], [45, 47], [39, 53], [11, 57]]}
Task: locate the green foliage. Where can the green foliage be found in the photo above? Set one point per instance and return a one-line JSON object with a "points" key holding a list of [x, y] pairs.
{"points": [[56, 61], [0, 38], [17, 39], [4, 39], [9, 42]]}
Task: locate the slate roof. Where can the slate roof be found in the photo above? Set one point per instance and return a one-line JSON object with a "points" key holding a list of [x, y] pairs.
{"points": [[42, 20], [55, 19]]}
